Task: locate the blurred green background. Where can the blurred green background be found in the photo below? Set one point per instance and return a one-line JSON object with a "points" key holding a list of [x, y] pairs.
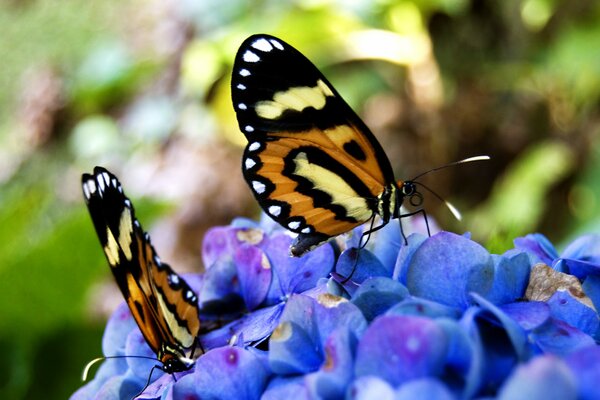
{"points": [[141, 87]]}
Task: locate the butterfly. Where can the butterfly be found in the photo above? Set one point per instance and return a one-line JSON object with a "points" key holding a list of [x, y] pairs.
{"points": [[311, 162], [161, 302]]}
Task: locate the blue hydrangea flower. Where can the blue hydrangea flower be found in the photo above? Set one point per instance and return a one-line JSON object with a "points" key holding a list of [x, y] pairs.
{"points": [[439, 318]]}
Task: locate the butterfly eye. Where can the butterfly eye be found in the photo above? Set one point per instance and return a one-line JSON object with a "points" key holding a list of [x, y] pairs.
{"points": [[409, 189]]}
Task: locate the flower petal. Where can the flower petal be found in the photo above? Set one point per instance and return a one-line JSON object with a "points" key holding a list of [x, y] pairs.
{"points": [[545, 377], [511, 274], [224, 373], [564, 306], [376, 295], [557, 337], [254, 274], [538, 246], [286, 388], [584, 364], [399, 349], [425, 388], [446, 267], [370, 387], [293, 351], [405, 256]]}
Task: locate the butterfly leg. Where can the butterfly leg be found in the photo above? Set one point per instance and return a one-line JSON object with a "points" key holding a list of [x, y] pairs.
{"points": [[148, 381], [410, 214]]}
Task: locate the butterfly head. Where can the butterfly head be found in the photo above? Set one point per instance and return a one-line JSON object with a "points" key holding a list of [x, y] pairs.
{"points": [[174, 364]]}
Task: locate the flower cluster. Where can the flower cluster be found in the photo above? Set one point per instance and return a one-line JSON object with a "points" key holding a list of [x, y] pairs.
{"points": [[438, 318]]}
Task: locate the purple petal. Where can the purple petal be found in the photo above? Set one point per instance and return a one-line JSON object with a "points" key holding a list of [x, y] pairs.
{"points": [[447, 267], [224, 373], [511, 275], [529, 315], [370, 387], [558, 337], [571, 310], [286, 388], [331, 312], [376, 295], [584, 364], [545, 377], [254, 327], [425, 388], [399, 349], [538, 246], [254, 274], [295, 274], [108, 370], [220, 243], [119, 387]]}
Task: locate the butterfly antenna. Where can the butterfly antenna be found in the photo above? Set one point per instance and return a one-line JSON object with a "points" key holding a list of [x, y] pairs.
{"points": [[86, 370], [149, 379], [452, 209], [466, 160]]}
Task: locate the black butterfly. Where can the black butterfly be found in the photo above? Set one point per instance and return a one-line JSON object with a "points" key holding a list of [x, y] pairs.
{"points": [[311, 162], [161, 302]]}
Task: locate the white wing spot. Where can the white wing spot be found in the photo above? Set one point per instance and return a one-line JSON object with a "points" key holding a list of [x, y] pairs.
{"points": [[244, 72], [250, 57], [263, 45], [294, 225], [249, 163], [258, 187], [174, 279], [241, 87], [254, 146], [306, 230], [275, 210], [114, 182], [101, 185], [276, 44], [86, 190], [106, 178], [127, 203], [242, 106], [249, 128]]}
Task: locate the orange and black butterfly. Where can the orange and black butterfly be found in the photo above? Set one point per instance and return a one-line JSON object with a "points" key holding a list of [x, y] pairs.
{"points": [[161, 302], [311, 162]]}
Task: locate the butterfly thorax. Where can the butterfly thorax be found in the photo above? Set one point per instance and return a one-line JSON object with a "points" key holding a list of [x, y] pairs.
{"points": [[173, 361]]}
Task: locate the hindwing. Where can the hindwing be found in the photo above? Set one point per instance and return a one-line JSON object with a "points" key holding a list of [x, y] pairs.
{"points": [[161, 302], [311, 162]]}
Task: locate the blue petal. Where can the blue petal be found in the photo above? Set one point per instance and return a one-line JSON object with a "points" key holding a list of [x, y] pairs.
{"points": [[359, 265], [545, 377], [376, 295], [224, 373], [569, 309], [463, 359], [591, 287], [291, 388], [578, 268], [120, 324], [557, 337], [141, 367], [109, 369], [584, 248], [426, 388], [538, 246], [511, 275], [119, 387], [254, 274], [584, 364], [529, 315], [293, 351], [220, 293], [399, 349], [335, 374], [423, 308], [405, 256], [385, 245], [515, 332], [447, 267], [331, 312], [370, 387]]}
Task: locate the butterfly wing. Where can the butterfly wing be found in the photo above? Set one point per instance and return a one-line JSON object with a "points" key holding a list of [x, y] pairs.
{"points": [[311, 162], [163, 305]]}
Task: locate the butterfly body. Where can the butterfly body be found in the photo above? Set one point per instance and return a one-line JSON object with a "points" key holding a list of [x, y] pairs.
{"points": [[311, 162], [161, 302]]}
